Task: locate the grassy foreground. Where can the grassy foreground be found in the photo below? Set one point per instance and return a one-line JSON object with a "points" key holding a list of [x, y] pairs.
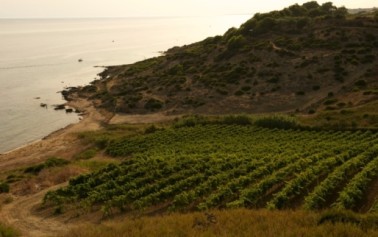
{"points": [[238, 222]]}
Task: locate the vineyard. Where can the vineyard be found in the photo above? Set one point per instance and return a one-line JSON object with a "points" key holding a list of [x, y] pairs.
{"points": [[228, 166]]}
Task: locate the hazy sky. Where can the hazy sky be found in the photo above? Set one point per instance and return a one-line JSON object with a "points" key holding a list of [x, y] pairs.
{"points": [[132, 8]]}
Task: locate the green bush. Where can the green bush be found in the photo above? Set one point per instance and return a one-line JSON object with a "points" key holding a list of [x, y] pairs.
{"points": [[7, 231], [360, 83], [265, 25], [236, 42], [246, 88], [153, 104], [330, 101], [87, 154], [191, 121], [150, 129], [237, 119], [4, 188], [239, 93], [281, 122], [50, 162], [274, 79]]}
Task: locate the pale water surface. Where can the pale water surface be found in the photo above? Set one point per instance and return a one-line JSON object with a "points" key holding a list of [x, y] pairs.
{"points": [[39, 58]]}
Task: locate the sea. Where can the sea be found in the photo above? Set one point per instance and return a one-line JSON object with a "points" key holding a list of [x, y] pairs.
{"points": [[41, 57]]}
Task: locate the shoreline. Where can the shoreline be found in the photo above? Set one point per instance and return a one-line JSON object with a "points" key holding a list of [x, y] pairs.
{"points": [[63, 142]]}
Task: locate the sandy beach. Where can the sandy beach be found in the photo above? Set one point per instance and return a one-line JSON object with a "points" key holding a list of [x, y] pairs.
{"points": [[64, 142]]}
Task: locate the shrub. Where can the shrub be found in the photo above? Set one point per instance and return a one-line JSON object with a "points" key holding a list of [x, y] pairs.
{"points": [[4, 188], [35, 169], [87, 154], [368, 59], [236, 42], [176, 70], [237, 119], [7, 231], [50, 162], [222, 92], [330, 101], [101, 141], [150, 129], [360, 83], [265, 25], [54, 162], [191, 121], [239, 93], [246, 88], [274, 79], [281, 122], [153, 104]]}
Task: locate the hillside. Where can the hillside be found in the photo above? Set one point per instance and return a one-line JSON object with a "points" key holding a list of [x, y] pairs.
{"points": [[268, 130], [303, 59]]}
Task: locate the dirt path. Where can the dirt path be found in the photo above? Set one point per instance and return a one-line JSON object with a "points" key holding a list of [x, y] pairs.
{"points": [[142, 118], [21, 213]]}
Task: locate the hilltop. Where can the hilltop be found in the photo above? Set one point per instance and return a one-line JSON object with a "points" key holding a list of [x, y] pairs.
{"points": [[304, 59]]}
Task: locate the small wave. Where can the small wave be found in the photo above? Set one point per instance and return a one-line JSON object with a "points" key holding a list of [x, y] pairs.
{"points": [[31, 66]]}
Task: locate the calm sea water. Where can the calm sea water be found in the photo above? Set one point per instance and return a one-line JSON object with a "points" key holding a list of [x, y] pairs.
{"points": [[38, 58]]}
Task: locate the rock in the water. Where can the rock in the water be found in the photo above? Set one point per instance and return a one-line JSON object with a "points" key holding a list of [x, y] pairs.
{"points": [[65, 93], [60, 107]]}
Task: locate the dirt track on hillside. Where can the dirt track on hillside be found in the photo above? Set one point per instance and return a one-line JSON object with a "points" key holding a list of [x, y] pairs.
{"points": [[21, 213]]}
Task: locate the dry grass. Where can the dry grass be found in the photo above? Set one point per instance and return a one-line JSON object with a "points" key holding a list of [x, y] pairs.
{"points": [[46, 178], [240, 222]]}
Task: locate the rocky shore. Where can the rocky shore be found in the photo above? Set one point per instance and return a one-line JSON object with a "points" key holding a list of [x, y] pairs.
{"points": [[62, 143]]}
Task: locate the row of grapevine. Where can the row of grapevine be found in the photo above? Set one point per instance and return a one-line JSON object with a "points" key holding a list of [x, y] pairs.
{"points": [[355, 189], [317, 198], [209, 166]]}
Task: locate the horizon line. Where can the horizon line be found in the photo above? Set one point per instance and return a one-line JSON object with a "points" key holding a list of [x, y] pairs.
{"points": [[119, 17]]}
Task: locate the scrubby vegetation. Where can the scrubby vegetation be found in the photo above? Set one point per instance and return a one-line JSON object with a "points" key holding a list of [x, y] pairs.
{"points": [[50, 162], [281, 61]]}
